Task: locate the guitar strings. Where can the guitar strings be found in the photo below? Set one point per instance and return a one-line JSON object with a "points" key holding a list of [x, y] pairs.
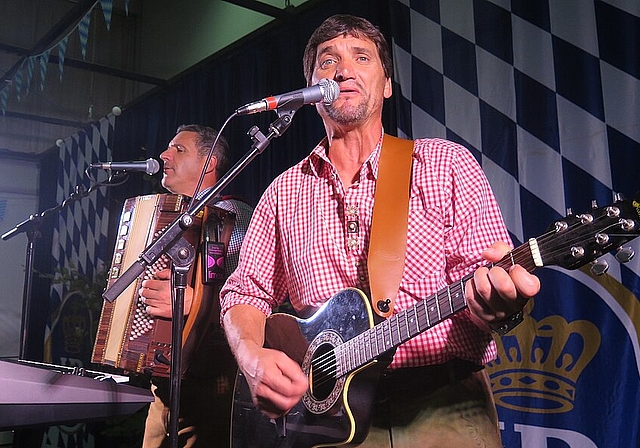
{"points": [[325, 366]]}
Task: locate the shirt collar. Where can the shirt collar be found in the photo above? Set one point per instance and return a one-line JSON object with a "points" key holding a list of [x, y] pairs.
{"points": [[373, 161], [318, 159]]}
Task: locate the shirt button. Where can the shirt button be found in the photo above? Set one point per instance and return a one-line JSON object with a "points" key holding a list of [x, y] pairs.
{"points": [[362, 278]]}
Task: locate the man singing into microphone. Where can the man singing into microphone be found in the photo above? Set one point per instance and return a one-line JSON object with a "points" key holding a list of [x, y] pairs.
{"points": [[206, 387], [310, 238]]}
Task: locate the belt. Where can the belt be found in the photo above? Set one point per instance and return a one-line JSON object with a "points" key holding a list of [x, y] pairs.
{"points": [[424, 379]]}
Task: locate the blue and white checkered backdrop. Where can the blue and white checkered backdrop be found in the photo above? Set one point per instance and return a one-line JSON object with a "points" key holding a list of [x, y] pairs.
{"points": [[545, 93], [79, 241]]}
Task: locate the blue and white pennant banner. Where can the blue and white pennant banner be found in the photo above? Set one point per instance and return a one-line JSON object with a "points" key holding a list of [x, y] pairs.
{"points": [[31, 64], [107, 11], [44, 60], [62, 51], [83, 33]]}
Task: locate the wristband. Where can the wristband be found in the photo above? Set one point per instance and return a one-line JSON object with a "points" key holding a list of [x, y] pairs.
{"points": [[505, 326]]}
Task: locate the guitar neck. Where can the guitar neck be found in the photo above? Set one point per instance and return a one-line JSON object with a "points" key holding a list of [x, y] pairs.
{"points": [[425, 314]]}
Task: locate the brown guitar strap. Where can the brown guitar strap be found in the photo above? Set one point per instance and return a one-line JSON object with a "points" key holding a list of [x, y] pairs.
{"points": [[388, 243]]}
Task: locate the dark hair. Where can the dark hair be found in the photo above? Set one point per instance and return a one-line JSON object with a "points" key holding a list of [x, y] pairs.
{"points": [[341, 25], [204, 141]]}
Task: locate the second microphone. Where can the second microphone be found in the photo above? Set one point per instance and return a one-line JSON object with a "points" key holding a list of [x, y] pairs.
{"points": [[149, 166]]}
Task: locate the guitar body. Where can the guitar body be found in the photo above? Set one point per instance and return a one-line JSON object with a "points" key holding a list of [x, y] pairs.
{"points": [[328, 413]]}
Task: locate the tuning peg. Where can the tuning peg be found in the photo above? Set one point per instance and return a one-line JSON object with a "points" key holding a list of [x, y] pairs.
{"points": [[561, 226], [602, 238], [624, 254], [577, 252], [585, 218], [618, 197], [599, 267], [594, 204], [569, 211], [627, 224], [612, 212]]}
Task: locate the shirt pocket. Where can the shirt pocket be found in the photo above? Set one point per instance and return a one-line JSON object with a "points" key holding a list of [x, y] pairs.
{"points": [[425, 259]]}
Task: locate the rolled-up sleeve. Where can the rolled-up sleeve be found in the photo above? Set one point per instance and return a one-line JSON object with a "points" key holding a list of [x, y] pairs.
{"points": [[258, 279]]}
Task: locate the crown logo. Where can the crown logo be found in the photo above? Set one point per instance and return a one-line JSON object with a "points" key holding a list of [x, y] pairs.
{"points": [[541, 362]]}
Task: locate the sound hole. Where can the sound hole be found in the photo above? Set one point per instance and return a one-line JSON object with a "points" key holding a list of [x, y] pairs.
{"points": [[320, 364], [322, 376]]}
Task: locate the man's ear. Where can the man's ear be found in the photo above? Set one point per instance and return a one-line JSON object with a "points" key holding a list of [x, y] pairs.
{"points": [[213, 163], [388, 90]]}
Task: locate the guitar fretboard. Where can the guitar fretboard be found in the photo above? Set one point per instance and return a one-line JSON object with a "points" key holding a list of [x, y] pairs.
{"points": [[408, 323]]}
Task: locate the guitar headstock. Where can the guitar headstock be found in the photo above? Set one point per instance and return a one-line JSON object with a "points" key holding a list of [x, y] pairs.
{"points": [[578, 239]]}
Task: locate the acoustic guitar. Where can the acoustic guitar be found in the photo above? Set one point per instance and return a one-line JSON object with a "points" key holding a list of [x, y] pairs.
{"points": [[342, 347]]}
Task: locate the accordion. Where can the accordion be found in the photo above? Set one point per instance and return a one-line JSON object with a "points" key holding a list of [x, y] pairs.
{"points": [[128, 338]]}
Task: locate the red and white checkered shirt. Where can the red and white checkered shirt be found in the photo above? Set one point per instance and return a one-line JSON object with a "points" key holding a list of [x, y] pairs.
{"points": [[301, 242]]}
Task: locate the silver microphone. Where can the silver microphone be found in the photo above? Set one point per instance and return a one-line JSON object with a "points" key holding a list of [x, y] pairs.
{"points": [[327, 91], [150, 166]]}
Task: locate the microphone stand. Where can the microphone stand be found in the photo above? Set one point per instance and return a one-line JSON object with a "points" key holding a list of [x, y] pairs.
{"points": [[170, 242], [31, 227], [182, 259]]}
